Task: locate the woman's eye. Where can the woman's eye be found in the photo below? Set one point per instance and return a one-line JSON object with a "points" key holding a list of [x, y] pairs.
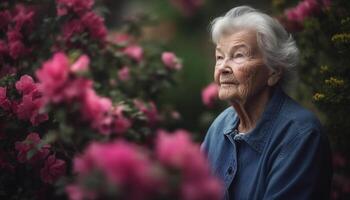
{"points": [[219, 57], [238, 55]]}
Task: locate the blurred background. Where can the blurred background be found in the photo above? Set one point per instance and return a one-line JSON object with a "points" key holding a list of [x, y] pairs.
{"points": [[320, 27], [183, 27]]}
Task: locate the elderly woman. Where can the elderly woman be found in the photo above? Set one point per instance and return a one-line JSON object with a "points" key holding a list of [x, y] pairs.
{"points": [[265, 145]]}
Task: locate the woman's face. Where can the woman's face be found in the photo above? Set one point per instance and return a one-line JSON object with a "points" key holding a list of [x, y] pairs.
{"points": [[239, 70]]}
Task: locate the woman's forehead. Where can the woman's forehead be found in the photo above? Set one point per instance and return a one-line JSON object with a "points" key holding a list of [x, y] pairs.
{"points": [[245, 37]]}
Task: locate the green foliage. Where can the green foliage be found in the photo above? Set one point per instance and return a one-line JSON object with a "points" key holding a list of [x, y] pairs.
{"points": [[325, 66]]}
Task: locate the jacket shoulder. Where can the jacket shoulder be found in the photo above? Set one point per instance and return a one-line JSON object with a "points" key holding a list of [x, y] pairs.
{"points": [[300, 117]]}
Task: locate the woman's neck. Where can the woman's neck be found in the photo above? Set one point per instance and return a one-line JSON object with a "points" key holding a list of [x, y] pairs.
{"points": [[250, 110]]}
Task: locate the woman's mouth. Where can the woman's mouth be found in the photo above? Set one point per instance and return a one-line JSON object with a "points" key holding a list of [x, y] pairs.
{"points": [[227, 83]]}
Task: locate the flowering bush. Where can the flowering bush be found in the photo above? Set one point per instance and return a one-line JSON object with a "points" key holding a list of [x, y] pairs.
{"points": [[210, 95], [79, 112], [324, 45], [131, 172]]}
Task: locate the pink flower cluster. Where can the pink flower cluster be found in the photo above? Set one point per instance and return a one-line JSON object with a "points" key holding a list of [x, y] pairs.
{"points": [[77, 6], [15, 23], [149, 110], [86, 19], [59, 83], [121, 38], [304, 9], [210, 94], [176, 151], [171, 61], [31, 143], [124, 73], [32, 103], [134, 51], [139, 175], [187, 7], [130, 47], [52, 169], [5, 103], [124, 165]]}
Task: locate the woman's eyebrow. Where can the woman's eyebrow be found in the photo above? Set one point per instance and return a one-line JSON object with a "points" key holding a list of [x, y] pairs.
{"points": [[235, 47], [218, 49]]}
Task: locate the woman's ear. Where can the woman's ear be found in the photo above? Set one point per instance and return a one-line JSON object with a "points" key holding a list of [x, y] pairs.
{"points": [[274, 77]]}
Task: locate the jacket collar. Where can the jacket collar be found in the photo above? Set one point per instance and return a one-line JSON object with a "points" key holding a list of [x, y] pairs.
{"points": [[257, 138]]}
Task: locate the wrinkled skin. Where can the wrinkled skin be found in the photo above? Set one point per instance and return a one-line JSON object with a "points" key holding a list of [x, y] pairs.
{"points": [[243, 78], [240, 71]]}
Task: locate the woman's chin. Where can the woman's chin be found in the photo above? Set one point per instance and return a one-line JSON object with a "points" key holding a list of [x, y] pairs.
{"points": [[228, 95]]}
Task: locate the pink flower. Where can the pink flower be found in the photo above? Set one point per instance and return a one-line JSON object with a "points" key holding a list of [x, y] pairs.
{"points": [[24, 17], [4, 102], [29, 109], [14, 35], [53, 75], [53, 169], [78, 6], [175, 115], [31, 143], [95, 109], [75, 192], [122, 164], [150, 110], [76, 89], [124, 74], [61, 10], [26, 84], [32, 102], [15, 45], [303, 10], [71, 28], [5, 17], [209, 188], [17, 49], [81, 65], [187, 7], [171, 61], [135, 52], [174, 149], [177, 151], [122, 38], [95, 25], [210, 94], [121, 123]]}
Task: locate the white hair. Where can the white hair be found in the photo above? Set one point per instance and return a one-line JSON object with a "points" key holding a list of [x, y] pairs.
{"points": [[276, 44]]}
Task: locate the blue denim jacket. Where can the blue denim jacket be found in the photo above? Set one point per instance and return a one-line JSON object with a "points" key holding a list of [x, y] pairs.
{"points": [[286, 156]]}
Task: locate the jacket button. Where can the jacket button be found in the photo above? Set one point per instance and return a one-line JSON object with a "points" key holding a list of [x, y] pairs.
{"points": [[229, 170]]}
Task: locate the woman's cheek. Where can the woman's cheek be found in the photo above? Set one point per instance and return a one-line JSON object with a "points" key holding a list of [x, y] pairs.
{"points": [[243, 74], [216, 76]]}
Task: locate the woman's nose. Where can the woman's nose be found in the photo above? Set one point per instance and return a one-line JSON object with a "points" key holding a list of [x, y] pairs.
{"points": [[225, 68]]}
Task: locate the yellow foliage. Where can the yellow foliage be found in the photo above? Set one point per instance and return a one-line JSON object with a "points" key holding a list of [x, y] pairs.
{"points": [[341, 37], [332, 81], [318, 96], [324, 68]]}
